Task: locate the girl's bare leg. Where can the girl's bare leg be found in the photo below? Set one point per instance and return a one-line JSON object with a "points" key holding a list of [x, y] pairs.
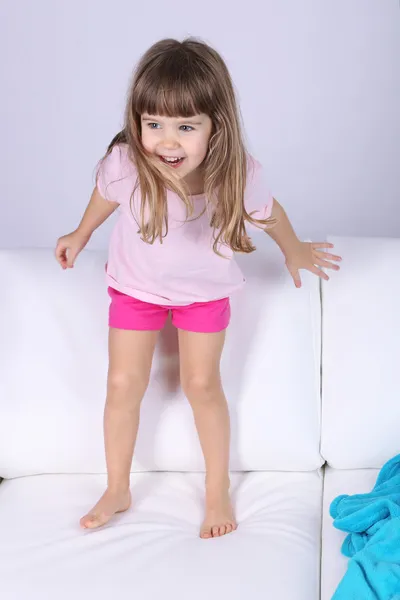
{"points": [[130, 359], [200, 355]]}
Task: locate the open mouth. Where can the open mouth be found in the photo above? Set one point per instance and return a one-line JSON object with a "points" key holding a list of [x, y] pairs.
{"points": [[172, 162]]}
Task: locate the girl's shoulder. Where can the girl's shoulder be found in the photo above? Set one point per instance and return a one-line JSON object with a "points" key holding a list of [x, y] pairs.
{"points": [[119, 159], [255, 172], [253, 165], [257, 196], [115, 173]]}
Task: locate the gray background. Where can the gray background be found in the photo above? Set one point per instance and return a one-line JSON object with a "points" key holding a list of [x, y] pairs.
{"points": [[318, 83]]}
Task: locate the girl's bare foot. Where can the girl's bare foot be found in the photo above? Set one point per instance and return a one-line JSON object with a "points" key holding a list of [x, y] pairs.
{"points": [[109, 504], [219, 518]]}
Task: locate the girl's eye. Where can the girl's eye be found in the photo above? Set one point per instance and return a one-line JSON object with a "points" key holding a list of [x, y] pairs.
{"points": [[186, 128]]}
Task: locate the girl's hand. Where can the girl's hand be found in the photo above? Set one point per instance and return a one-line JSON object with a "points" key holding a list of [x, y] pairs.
{"points": [[305, 255], [69, 246]]}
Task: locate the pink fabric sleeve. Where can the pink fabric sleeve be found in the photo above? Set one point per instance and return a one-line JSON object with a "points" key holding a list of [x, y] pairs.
{"points": [[113, 173], [258, 199]]}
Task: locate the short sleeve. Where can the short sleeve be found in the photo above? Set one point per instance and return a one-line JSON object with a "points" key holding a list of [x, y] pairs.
{"points": [[114, 176], [258, 199]]}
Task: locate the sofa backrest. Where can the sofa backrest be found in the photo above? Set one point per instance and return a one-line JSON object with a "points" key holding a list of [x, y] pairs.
{"points": [[53, 357], [361, 355]]}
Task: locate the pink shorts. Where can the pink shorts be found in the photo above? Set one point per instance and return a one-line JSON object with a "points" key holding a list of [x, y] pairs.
{"points": [[201, 317]]}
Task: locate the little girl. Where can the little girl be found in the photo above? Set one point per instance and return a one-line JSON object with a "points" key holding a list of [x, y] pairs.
{"points": [[188, 193]]}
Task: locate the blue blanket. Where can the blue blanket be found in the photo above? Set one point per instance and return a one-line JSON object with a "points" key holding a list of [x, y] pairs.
{"points": [[373, 542]]}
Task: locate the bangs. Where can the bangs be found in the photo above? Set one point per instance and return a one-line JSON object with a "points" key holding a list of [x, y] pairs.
{"points": [[173, 89]]}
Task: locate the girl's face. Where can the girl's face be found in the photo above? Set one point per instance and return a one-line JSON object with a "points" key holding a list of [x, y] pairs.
{"points": [[182, 143]]}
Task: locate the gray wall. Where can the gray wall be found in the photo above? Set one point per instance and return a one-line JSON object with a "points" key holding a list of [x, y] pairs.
{"points": [[318, 82]]}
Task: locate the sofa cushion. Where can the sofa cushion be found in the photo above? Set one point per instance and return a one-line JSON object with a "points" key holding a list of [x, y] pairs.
{"points": [[361, 351], [153, 550], [54, 368]]}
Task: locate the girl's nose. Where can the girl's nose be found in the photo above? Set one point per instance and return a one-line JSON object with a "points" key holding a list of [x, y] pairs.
{"points": [[170, 142]]}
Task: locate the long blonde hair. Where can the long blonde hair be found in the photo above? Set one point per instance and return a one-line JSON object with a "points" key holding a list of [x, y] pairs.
{"points": [[182, 79]]}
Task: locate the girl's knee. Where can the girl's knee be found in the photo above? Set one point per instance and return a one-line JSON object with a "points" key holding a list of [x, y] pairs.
{"points": [[121, 385], [200, 387]]}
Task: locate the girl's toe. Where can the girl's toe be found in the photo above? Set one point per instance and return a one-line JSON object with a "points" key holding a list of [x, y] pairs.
{"points": [[205, 533], [215, 531], [222, 530]]}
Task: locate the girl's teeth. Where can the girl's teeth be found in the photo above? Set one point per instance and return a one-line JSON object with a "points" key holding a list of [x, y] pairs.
{"points": [[172, 159]]}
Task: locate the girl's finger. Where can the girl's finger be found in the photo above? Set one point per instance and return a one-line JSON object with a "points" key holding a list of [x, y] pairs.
{"points": [[319, 273], [70, 260], [61, 256], [322, 245], [60, 252], [327, 255], [325, 263], [296, 277]]}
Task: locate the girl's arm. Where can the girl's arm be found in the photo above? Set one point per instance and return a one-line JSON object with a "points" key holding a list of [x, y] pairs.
{"points": [[69, 246], [282, 233], [298, 254], [97, 211]]}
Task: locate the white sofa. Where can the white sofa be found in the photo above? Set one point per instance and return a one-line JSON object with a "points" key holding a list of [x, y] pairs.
{"points": [[298, 439]]}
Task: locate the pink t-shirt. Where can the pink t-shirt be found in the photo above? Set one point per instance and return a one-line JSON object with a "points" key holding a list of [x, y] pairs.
{"points": [[184, 268]]}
